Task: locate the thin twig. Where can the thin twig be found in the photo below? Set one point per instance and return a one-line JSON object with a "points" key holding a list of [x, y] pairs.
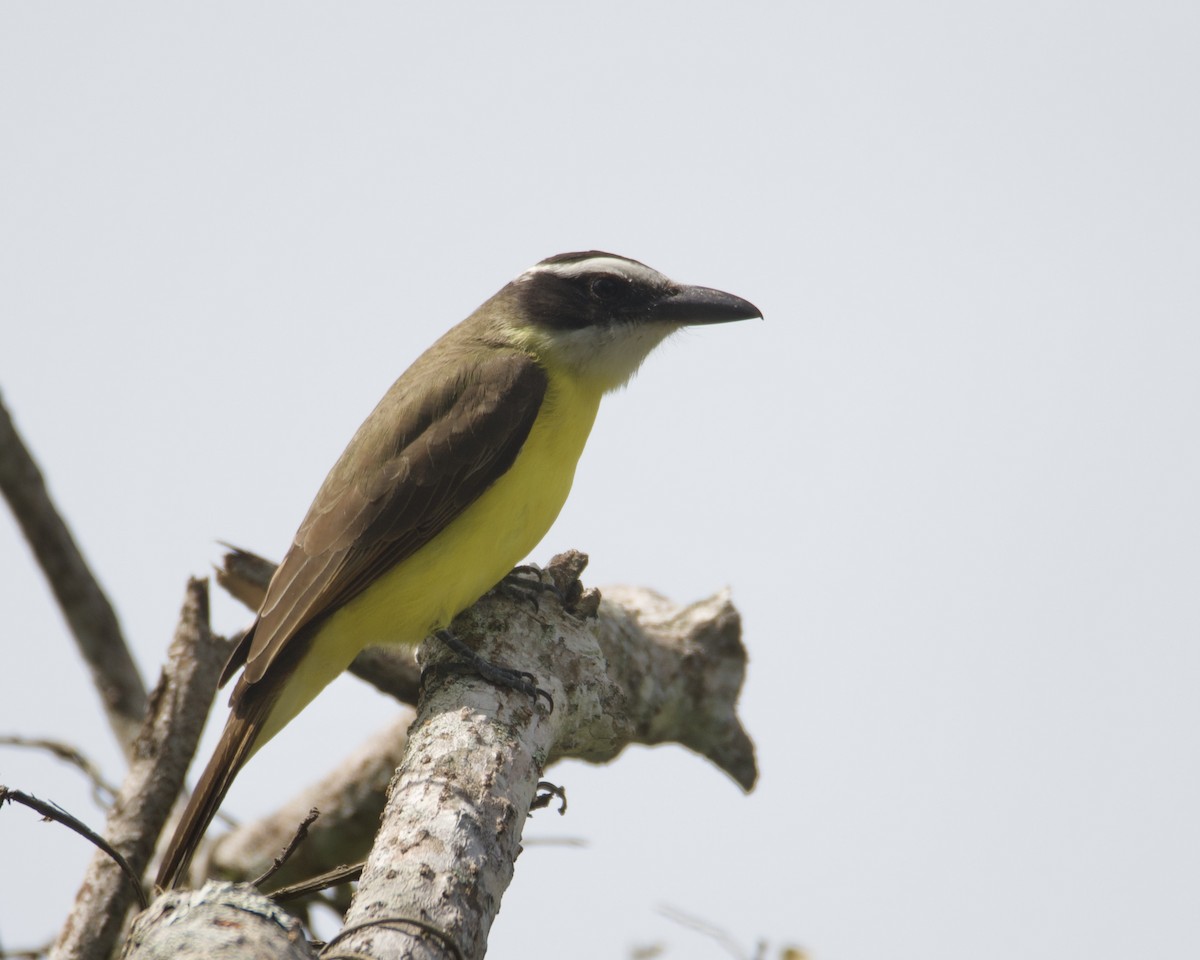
{"points": [[80, 597], [298, 838], [330, 878], [102, 791], [714, 933], [52, 811]]}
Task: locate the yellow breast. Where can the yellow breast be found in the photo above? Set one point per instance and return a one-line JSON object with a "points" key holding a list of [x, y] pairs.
{"points": [[469, 557]]}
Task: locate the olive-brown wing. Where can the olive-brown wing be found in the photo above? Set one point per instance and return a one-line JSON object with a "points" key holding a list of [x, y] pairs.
{"points": [[417, 462]]}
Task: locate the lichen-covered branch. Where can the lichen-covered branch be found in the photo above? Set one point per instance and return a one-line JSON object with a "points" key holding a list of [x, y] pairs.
{"points": [[647, 673], [228, 922], [696, 661], [452, 827]]}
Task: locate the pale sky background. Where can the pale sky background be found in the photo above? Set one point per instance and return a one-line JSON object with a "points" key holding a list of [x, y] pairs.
{"points": [[952, 479]]}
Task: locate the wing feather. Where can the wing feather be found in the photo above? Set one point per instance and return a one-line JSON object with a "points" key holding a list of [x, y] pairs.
{"points": [[428, 451]]}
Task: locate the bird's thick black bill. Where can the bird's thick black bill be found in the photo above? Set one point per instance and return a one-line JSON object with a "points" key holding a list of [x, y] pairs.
{"points": [[704, 305]]}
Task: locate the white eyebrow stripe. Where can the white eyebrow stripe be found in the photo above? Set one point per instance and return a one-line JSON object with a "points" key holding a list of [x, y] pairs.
{"points": [[629, 269]]}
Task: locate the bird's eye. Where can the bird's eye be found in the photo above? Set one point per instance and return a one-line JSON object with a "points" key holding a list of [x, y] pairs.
{"points": [[607, 288]]}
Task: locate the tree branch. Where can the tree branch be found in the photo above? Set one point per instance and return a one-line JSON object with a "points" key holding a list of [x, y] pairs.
{"points": [[162, 751], [453, 823], [227, 920], [81, 599], [52, 811], [452, 827], [697, 662]]}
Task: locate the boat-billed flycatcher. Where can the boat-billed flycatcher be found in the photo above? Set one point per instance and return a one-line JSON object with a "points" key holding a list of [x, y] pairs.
{"points": [[453, 478]]}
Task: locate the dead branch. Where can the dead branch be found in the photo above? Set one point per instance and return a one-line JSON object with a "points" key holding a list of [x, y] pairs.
{"points": [[338, 876], [300, 835], [452, 827], [222, 920], [351, 797], [90, 616], [696, 658], [453, 823], [162, 751], [52, 811]]}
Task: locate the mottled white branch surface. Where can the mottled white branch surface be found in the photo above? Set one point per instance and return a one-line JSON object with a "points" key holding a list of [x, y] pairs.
{"points": [[224, 921], [646, 671], [672, 675]]}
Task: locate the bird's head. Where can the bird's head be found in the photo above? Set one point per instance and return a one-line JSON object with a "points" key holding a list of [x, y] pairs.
{"points": [[598, 315]]}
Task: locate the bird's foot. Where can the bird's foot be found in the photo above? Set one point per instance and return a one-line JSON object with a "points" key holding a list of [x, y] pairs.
{"points": [[560, 578], [528, 582], [548, 791], [493, 673]]}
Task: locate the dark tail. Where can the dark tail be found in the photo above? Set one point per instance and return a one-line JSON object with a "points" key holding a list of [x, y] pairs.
{"points": [[234, 749]]}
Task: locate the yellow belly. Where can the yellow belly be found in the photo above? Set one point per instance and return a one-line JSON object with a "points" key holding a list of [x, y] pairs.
{"points": [[464, 561]]}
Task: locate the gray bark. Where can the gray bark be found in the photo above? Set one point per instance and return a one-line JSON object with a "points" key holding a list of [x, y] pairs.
{"points": [[161, 754], [646, 671]]}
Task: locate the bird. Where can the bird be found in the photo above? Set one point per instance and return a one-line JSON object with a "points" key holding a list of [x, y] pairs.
{"points": [[453, 478]]}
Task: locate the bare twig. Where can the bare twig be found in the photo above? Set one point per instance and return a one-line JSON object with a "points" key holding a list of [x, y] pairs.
{"points": [[713, 932], [102, 791], [52, 811], [164, 747], [347, 873], [80, 597], [300, 836]]}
